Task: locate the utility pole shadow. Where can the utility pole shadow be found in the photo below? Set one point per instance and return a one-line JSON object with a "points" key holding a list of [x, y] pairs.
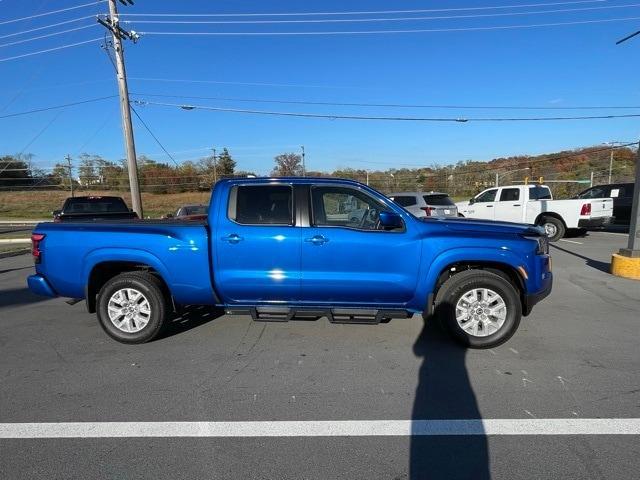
{"points": [[444, 393]]}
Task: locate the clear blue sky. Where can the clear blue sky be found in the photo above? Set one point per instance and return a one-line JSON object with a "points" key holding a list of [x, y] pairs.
{"points": [[549, 66]]}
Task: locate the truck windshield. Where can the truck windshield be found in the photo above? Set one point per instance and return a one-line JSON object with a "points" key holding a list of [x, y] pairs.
{"points": [[95, 205]]}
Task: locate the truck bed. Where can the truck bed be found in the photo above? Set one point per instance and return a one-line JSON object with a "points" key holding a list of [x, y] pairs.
{"points": [[178, 250]]}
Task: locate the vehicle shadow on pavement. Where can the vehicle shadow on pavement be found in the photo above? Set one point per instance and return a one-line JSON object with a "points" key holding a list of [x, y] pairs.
{"points": [[444, 392], [190, 317], [19, 296], [590, 262]]}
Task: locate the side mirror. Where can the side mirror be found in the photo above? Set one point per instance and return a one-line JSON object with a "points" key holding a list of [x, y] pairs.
{"points": [[169, 215], [472, 200], [390, 220], [56, 213]]}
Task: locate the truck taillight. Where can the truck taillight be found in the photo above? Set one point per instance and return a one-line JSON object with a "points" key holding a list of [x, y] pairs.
{"points": [[586, 209], [36, 238], [427, 210]]}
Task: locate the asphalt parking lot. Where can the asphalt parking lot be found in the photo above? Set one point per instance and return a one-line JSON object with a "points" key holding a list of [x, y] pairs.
{"points": [[575, 357]]}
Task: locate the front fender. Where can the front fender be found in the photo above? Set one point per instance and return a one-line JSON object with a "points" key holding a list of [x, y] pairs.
{"points": [[427, 284]]}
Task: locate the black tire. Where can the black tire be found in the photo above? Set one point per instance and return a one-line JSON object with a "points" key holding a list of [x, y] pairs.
{"points": [[152, 289], [556, 225], [457, 286]]}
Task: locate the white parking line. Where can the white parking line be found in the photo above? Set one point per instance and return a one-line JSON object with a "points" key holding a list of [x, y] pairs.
{"points": [[364, 428], [612, 233], [570, 241]]}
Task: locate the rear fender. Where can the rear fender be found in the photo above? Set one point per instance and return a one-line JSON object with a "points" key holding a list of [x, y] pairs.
{"points": [[103, 255]]}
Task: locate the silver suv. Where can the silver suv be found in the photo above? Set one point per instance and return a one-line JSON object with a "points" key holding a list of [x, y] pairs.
{"points": [[426, 204]]}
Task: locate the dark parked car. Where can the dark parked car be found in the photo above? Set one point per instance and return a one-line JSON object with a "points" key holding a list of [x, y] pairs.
{"points": [[622, 194], [93, 208]]}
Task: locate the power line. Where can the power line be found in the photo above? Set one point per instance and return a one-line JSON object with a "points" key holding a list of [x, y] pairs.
{"points": [[41, 132], [382, 32], [377, 19], [249, 84], [55, 107], [52, 12], [6, 59], [375, 12], [16, 42], [389, 105], [153, 135], [384, 118], [50, 25]]}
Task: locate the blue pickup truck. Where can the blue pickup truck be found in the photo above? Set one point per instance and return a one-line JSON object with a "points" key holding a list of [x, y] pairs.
{"points": [[298, 248]]}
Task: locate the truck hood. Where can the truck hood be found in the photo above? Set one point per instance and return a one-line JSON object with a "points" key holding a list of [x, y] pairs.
{"points": [[488, 226]]}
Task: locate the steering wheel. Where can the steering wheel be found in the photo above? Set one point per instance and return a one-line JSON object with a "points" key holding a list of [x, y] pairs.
{"points": [[371, 217]]}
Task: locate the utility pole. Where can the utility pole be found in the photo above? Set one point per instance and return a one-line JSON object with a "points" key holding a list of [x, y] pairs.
{"points": [[215, 167], [591, 181], [68, 159], [497, 179], [633, 247], [610, 163], [117, 33], [627, 262], [304, 170]]}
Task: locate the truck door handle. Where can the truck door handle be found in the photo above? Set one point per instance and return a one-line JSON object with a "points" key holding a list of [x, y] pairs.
{"points": [[489, 206], [517, 205], [233, 238], [317, 240]]}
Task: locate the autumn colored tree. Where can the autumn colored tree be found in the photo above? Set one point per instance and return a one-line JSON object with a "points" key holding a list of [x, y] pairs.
{"points": [[287, 165]]}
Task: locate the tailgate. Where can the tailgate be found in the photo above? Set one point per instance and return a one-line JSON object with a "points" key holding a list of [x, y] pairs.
{"points": [[601, 207]]}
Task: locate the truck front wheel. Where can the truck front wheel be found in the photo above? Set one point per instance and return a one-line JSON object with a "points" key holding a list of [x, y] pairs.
{"points": [[479, 308], [132, 308], [553, 227]]}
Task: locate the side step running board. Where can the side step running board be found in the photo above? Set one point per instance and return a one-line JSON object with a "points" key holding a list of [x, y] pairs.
{"points": [[335, 315]]}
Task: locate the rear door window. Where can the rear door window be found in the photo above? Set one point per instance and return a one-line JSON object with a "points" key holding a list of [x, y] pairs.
{"points": [[261, 205], [539, 193], [509, 194]]}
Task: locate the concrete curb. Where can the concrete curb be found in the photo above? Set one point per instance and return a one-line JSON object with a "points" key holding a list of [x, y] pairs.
{"points": [[626, 267]]}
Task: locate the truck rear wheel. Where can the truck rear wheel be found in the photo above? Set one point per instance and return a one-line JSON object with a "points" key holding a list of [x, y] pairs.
{"points": [[479, 308], [132, 308], [553, 227]]}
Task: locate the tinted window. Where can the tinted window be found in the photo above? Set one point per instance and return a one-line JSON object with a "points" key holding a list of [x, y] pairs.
{"points": [[195, 210], [345, 207], [261, 205], [488, 196], [438, 200], [95, 205], [539, 193], [405, 201], [509, 194], [595, 192]]}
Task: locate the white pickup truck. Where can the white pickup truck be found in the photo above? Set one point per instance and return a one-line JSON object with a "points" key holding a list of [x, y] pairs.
{"points": [[534, 204]]}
